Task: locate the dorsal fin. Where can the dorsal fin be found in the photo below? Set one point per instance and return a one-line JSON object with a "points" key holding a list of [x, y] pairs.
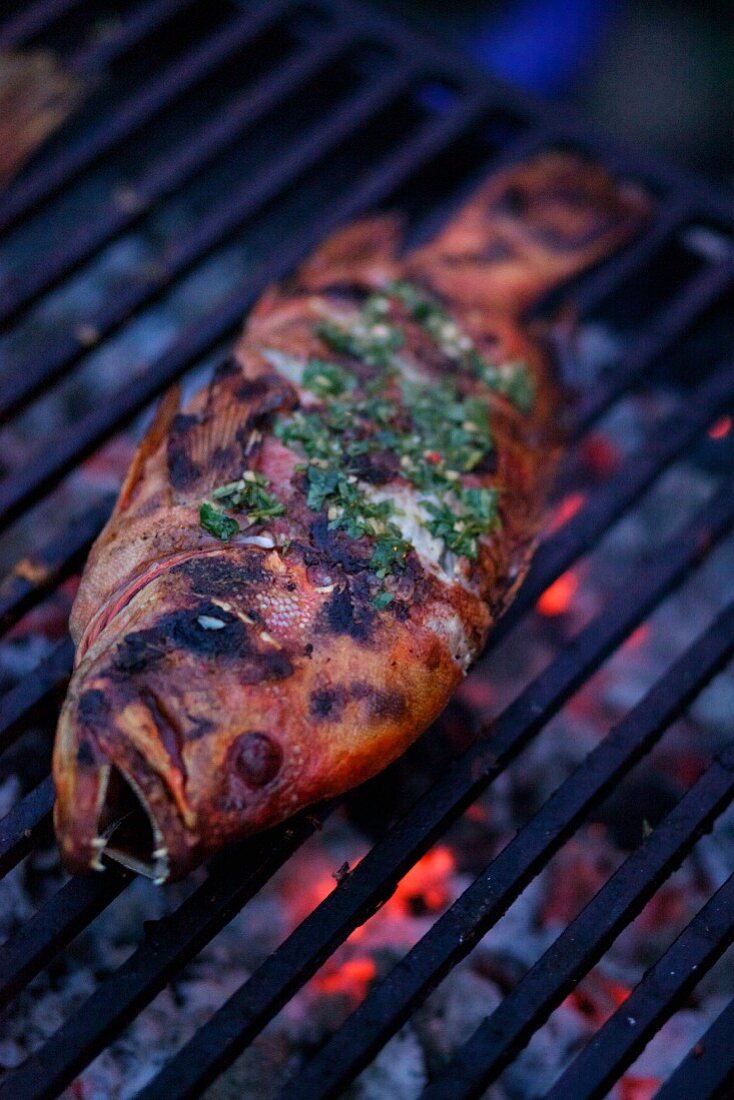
{"points": [[156, 433], [213, 443], [365, 251]]}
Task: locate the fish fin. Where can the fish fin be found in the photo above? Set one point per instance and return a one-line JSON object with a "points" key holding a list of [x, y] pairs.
{"points": [[156, 433], [214, 444], [364, 252], [528, 229]]}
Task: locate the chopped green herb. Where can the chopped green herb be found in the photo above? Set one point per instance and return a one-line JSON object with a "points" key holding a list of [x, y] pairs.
{"points": [[513, 380], [249, 495], [390, 552], [216, 523], [322, 483], [437, 433], [327, 379], [373, 342], [462, 524]]}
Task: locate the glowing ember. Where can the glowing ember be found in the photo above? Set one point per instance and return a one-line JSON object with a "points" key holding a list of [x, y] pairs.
{"points": [[638, 637], [597, 997], [476, 814], [557, 599], [567, 508], [638, 1088], [425, 887], [720, 428], [352, 978], [600, 454]]}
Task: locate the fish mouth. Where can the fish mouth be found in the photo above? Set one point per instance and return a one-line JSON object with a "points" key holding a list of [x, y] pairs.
{"points": [[111, 820], [112, 806], [127, 831]]}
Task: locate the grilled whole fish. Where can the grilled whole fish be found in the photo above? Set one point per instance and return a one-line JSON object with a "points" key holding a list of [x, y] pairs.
{"points": [[304, 561]]}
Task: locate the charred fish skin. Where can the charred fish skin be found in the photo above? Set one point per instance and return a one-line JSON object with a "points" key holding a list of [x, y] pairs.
{"points": [[304, 561]]}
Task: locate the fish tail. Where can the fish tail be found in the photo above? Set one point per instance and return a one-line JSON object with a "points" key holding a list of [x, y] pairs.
{"points": [[528, 229]]}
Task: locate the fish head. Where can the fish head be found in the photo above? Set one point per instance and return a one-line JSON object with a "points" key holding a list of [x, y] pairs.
{"points": [[231, 690], [171, 738]]}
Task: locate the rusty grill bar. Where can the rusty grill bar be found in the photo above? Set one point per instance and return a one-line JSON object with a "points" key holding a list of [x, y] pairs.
{"points": [[339, 32]]}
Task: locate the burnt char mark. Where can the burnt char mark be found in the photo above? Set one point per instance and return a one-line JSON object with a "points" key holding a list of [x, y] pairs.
{"points": [[334, 548], [85, 755], [93, 713], [512, 201], [327, 704], [182, 630], [168, 727], [227, 369], [138, 652], [343, 615], [93, 708], [352, 292], [182, 471], [268, 394], [381, 703], [219, 576], [497, 251], [198, 727], [377, 468], [252, 388]]}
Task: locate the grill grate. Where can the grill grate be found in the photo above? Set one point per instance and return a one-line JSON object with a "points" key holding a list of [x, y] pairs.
{"points": [[317, 37]]}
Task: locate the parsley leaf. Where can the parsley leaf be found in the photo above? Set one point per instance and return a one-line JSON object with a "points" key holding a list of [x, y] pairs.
{"points": [[327, 379], [216, 523], [249, 494]]}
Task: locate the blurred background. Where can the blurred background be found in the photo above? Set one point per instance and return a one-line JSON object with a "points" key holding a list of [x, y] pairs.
{"points": [[654, 73]]}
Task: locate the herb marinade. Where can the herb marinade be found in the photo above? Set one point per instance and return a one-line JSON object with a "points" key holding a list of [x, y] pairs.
{"points": [[435, 433]]}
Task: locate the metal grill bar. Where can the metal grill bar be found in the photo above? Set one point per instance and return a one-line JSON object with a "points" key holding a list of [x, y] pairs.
{"points": [[677, 316], [22, 827], [171, 171], [246, 1012], [663, 988], [374, 878], [168, 945], [499, 1038], [255, 193], [178, 939], [36, 943], [523, 857], [54, 672], [23, 487], [78, 155], [19, 704], [602, 282], [707, 1071], [34, 576], [28, 23], [134, 28]]}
